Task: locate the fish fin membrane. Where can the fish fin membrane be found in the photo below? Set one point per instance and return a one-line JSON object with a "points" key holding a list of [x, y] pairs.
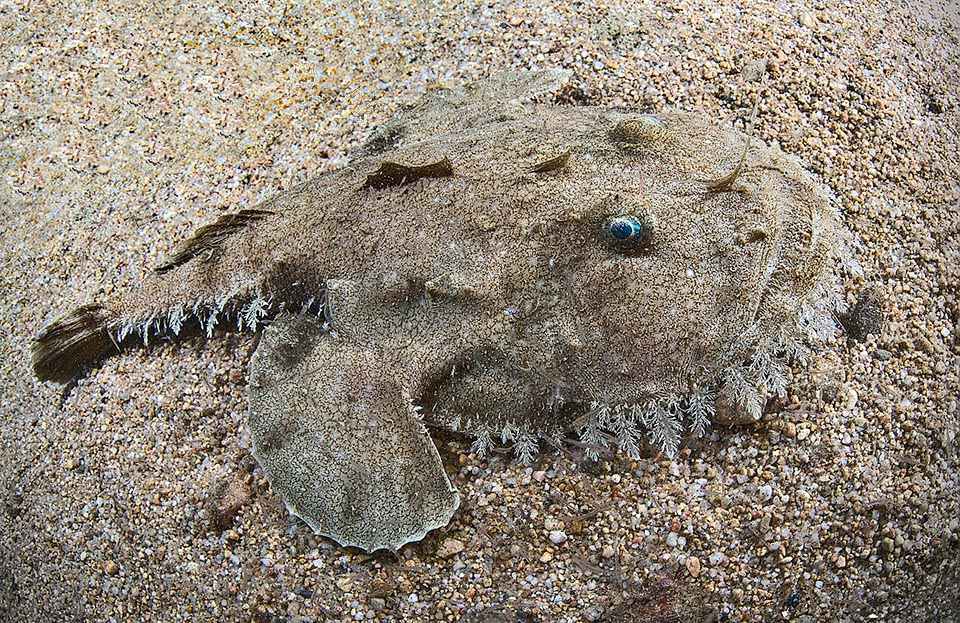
{"points": [[209, 238], [69, 342]]}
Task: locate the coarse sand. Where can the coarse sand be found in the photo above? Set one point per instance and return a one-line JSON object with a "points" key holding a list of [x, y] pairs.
{"points": [[133, 496]]}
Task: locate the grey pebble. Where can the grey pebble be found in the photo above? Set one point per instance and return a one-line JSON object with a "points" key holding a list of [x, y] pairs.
{"points": [[882, 355]]}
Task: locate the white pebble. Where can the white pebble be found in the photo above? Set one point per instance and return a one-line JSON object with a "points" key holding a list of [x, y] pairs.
{"points": [[716, 558]]}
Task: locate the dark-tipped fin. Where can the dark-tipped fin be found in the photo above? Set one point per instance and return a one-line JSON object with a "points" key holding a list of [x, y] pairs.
{"points": [[69, 342], [393, 174], [557, 162], [209, 237]]}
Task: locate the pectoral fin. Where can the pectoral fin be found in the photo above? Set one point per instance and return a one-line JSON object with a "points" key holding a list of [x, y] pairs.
{"points": [[340, 441]]}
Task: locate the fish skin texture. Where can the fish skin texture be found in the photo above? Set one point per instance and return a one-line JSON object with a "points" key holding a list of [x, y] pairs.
{"points": [[501, 266]]}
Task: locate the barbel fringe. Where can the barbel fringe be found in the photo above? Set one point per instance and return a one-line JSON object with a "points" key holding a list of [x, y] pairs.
{"points": [[209, 316]]}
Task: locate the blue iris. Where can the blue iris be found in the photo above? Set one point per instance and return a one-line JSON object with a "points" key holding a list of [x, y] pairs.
{"points": [[625, 227], [629, 232]]}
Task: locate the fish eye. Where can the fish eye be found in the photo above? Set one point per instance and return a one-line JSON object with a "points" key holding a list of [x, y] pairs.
{"points": [[628, 232]]}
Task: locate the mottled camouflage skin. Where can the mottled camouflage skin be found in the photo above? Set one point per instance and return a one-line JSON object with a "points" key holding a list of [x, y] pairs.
{"points": [[466, 270]]}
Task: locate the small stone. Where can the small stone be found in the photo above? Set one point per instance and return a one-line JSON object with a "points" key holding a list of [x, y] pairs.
{"points": [[803, 433], [557, 536], [225, 501], [608, 551], [807, 20], [888, 544], [110, 568], [693, 566], [830, 392], [865, 318], [546, 557], [450, 547], [852, 398], [882, 355], [377, 604], [344, 584], [754, 70]]}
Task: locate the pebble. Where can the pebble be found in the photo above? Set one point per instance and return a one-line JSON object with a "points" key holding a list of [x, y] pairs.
{"points": [[558, 537], [450, 547], [693, 566]]}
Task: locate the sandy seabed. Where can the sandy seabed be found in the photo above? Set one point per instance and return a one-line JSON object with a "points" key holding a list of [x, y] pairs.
{"points": [[134, 496]]}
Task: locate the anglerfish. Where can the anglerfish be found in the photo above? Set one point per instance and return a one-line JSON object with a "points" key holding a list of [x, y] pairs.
{"points": [[502, 266]]}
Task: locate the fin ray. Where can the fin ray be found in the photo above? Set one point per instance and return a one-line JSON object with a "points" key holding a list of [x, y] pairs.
{"points": [[209, 237], [70, 341]]}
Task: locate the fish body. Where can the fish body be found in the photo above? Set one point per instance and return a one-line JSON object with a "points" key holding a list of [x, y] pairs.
{"points": [[499, 267]]}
